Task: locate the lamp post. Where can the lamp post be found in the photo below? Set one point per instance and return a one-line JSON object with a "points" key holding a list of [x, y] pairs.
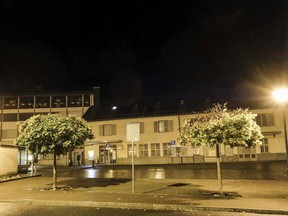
{"points": [[281, 95]]}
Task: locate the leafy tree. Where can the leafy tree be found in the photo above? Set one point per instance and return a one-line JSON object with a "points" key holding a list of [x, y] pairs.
{"points": [[219, 125], [53, 133]]}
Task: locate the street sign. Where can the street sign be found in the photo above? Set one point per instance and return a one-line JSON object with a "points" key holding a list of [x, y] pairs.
{"points": [[133, 132], [173, 142]]}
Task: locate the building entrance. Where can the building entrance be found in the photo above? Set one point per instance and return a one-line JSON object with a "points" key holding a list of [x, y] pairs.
{"points": [[108, 154]]}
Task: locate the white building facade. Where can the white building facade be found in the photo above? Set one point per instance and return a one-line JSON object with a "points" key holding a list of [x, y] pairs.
{"points": [[159, 142]]}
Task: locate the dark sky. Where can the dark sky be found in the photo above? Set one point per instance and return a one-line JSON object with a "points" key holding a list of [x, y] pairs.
{"points": [[139, 48]]}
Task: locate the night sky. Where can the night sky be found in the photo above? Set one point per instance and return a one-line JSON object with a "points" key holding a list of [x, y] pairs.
{"points": [[140, 48]]}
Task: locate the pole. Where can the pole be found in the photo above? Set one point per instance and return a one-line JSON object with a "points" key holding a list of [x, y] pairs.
{"points": [[285, 137], [133, 171]]}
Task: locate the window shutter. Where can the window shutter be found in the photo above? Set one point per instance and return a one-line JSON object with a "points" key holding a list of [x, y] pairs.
{"points": [[170, 125], [258, 120], [113, 129], [141, 127], [101, 132], [271, 117], [166, 126], [156, 126]]}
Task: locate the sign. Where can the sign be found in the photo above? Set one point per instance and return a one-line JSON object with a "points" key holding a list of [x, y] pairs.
{"points": [[173, 142], [107, 146], [132, 132]]}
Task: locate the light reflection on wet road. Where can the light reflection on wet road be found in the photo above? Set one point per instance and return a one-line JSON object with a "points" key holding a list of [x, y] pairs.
{"points": [[243, 170]]}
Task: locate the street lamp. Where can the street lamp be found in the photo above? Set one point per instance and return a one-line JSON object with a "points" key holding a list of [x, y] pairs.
{"points": [[281, 95]]}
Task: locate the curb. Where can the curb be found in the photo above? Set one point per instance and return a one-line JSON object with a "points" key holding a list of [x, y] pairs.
{"points": [[149, 206], [19, 178]]}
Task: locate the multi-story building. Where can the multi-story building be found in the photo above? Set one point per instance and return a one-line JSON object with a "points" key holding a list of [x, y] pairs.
{"points": [[19, 107], [159, 144]]}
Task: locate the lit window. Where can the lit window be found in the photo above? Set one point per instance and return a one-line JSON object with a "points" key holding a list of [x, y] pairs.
{"points": [[130, 150], [91, 154], [143, 150], [155, 149], [166, 149], [163, 126], [264, 147], [266, 119], [107, 130]]}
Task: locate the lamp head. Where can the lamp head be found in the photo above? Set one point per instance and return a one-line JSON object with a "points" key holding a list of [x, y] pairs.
{"points": [[281, 95]]}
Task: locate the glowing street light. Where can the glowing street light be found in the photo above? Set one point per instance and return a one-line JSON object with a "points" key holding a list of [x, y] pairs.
{"points": [[281, 95]]}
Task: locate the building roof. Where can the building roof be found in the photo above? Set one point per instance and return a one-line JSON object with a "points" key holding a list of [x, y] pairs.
{"points": [[166, 105]]}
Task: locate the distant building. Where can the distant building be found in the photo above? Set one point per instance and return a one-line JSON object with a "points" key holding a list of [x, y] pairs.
{"points": [[159, 144], [19, 107]]}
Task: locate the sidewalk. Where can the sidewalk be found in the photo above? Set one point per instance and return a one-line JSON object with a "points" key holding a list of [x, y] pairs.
{"points": [[257, 196]]}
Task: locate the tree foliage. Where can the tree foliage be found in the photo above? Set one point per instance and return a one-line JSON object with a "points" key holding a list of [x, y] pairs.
{"points": [[219, 125], [53, 133]]}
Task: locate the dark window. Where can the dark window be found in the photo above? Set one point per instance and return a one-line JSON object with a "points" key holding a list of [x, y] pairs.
{"points": [[74, 100], [9, 117], [10, 103], [26, 102], [24, 116], [86, 100], [42, 101], [59, 101]]}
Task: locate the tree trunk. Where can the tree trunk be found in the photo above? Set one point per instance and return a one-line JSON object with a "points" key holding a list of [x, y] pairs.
{"points": [[54, 172], [32, 168], [219, 171]]}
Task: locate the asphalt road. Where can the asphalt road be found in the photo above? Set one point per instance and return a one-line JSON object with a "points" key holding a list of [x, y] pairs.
{"points": [[13, 209], [275, 170]]}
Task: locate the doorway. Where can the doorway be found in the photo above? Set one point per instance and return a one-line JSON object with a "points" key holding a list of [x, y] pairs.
{"points": [[108, 154]]}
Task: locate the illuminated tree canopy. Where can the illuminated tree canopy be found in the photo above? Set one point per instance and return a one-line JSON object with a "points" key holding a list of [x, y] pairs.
{"points": [[219, 125], [44, 134], [53, 133]]}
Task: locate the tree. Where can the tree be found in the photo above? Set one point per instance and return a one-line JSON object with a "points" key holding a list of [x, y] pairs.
{"points": [[53, 133], [219, 125]]}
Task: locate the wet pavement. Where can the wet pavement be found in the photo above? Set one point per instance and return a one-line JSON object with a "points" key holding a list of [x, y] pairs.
{"points": [[256, 196], [79, 187], [243, 170]]}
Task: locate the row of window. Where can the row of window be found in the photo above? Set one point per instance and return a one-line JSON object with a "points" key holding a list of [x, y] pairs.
{"points": [[45, 101], [165, 149], [156, 150], [263, 120], [14, 117], [159, 126]]}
